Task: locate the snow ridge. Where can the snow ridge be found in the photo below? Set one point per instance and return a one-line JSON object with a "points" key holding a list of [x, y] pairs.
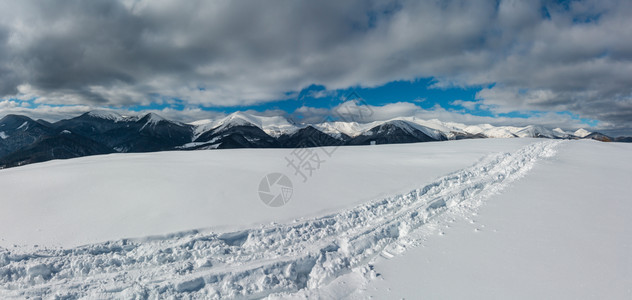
{"points": [[273, 259]]}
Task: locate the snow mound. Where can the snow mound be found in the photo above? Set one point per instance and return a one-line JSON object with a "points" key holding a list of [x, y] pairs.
{"points": [[261, 261]]}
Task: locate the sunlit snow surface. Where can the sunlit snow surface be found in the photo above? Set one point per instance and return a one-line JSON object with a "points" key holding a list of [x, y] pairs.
{"points": [[384, 221], [100, 198]]}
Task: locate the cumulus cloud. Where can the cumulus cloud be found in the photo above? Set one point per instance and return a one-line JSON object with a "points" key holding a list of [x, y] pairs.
{"points": [[528, 55]]}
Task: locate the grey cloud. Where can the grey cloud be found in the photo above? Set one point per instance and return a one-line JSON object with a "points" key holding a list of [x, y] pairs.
{"points": [[230, 53]]}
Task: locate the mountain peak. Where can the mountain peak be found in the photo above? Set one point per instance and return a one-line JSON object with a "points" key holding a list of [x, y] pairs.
{"points": [[581, 133], [154, 117], [151, 119], [16, 122], [105, 114], [559, 130], [238, 119]]}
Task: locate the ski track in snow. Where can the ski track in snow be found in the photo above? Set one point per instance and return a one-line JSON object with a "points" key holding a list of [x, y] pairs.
{"points": [[275, 259]]}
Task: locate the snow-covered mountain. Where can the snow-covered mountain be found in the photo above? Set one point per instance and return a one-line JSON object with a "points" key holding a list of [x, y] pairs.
{"points": [[23, 140], [274, 126], [581, 132], [27, 141], [436, 130], [17, 132]]}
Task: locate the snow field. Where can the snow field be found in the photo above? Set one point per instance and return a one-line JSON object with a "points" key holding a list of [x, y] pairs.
{"points": [[275, 259], [69, 203]]}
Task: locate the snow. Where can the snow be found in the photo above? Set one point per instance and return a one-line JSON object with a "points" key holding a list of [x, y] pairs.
{"points": [[277, 126], [513, 218], [408, 126], [560, 131], [351, 129], [274, 126], [354, 129], [152, 120], [200, 122], [193, 145], [438, 125], [562, 232], [3, 135], [106, 114], [153, 193], [532, 131], [24, 125], [582, 132]]}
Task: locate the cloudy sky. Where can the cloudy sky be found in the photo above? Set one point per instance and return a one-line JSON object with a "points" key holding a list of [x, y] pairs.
{"points": [[557, 63]]}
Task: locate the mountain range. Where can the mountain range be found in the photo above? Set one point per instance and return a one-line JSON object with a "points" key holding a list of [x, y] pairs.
{"points": [[24, 140]]}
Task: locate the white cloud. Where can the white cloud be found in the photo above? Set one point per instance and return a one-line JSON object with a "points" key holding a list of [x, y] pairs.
{"points": [[471, 105]]}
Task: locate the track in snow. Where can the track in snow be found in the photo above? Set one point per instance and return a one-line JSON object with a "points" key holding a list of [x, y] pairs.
{"points": [[261, 261]]}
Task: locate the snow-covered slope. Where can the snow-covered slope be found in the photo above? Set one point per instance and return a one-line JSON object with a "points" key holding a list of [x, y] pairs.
{"points": [[343, 233], [337, 128], [353, 129], [562, 232], [105, 114], [114, 116], [151, 120], [164, 192], [581, 133], [256, 262], [274, 126]]}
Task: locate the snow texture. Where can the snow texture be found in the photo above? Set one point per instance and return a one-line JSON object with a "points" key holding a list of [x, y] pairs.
{"points": [[267, 260], [562, 232], [68, 203]]}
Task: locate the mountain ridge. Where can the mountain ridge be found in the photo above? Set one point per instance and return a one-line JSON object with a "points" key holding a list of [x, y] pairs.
{"points": [[24, 140]]}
